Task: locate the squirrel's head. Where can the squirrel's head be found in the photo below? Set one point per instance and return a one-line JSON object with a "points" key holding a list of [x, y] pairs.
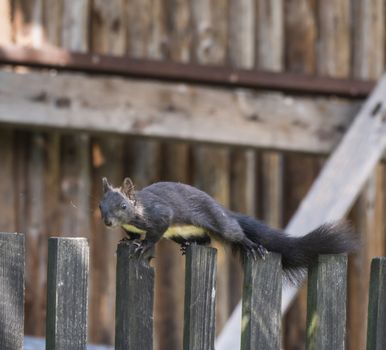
{"points": [[118, 204]]}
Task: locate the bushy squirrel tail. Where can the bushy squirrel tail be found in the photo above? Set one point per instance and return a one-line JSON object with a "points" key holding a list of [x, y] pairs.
{"points": [[299, 252]]}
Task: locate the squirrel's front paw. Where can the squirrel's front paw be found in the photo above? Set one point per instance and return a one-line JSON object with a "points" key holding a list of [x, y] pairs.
{"points": [[142, 247]]}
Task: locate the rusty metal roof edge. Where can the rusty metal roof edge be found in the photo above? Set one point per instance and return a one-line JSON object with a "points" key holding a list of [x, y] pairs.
{"points": [[223, 76]]}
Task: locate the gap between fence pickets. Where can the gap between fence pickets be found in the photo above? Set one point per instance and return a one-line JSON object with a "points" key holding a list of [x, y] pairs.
{"points": [[35, 343], [343, 175]]}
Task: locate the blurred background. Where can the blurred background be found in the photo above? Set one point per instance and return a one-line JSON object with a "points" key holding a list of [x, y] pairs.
{"points": [[50, 178]]}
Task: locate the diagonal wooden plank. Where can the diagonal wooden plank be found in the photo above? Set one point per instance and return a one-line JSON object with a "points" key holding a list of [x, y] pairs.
{"points": [[336, 188]]}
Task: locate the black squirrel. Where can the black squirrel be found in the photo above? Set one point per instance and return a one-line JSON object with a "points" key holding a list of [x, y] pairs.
{"points": [[186, 214]]}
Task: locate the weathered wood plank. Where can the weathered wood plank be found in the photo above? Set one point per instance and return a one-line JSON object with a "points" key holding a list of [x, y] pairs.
{"points": [[6, 20], [76, 148], [28, 31], [175, 166], [261, 316], [134, 300], [200, 297], [299, 170], [74, 30], [269, 57], [333, 38], [376, 336], [174, 111], [36, 242], [107, 160], [7, 193], [211, 164], [11, 291], [326, 303], [369, 211], [67, 288], [108, 36]]}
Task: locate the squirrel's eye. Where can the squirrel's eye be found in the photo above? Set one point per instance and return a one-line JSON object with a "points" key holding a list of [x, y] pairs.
{"points": [[123, 206]]}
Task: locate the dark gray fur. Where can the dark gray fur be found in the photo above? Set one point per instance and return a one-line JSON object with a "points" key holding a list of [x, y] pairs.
{"points": [[160, 205]]}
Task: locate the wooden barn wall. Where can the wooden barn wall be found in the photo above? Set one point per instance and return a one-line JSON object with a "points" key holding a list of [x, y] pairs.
{"points": [[50, 182]]}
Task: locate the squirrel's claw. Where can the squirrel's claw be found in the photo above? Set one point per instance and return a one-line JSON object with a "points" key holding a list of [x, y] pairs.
{"points": [[184, 246], [261, 251], [142, 247]]}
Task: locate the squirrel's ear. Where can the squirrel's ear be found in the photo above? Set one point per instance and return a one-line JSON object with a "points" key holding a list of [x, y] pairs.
{"points": [[128, 188], [106, 186]]}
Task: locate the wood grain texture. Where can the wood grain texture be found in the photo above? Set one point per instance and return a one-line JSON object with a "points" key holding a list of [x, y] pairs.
{"points": [[299, 170], [6, 22], [326, 303], [108, 36], [333, 43], [376, 338], [300, 35], [7, 191], [211, 164], [75, 182], [270, 35], [28, 31], [174, 166], [134, 300], [241, 54], [75, 19], [200, 297], [261, 316], [356, 151], [269, 56], [170, 267], [11, 291], [36, 239], [174, 111], [107, 161], [67, 293], [368, 213]]}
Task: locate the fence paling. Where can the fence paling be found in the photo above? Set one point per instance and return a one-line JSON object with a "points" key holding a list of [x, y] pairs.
{"points": [[67, 288], [376, 335], [67, 299], [134, 300], [326, 303], [200, 298], [261, 301], [11, 291]]}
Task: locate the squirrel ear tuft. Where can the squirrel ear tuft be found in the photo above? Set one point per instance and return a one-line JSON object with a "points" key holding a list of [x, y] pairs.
{"points": [[128, 188], [106, 186]]}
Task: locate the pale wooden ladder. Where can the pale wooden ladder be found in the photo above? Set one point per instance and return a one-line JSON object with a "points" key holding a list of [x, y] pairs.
{"points": [[334, 191]]}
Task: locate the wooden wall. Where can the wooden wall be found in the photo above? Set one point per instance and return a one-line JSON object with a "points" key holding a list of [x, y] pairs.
{"points": [[50, 182]]}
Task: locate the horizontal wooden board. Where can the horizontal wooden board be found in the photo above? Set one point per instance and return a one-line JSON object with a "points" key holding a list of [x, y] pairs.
{"points": [[240, 117]]}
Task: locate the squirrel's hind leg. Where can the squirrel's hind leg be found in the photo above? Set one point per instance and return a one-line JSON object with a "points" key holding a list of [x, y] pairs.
{"points": [[253, 249]]}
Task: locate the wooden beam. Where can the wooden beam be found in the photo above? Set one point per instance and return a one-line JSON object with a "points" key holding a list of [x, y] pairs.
{"points": [[77, 102]]}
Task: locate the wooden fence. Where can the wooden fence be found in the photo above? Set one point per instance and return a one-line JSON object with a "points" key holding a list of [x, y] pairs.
{"points": [[47, 178], [67, 299]]}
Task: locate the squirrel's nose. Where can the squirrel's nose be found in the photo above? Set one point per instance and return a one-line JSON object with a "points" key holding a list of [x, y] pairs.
{"points": [[108, 222]]}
